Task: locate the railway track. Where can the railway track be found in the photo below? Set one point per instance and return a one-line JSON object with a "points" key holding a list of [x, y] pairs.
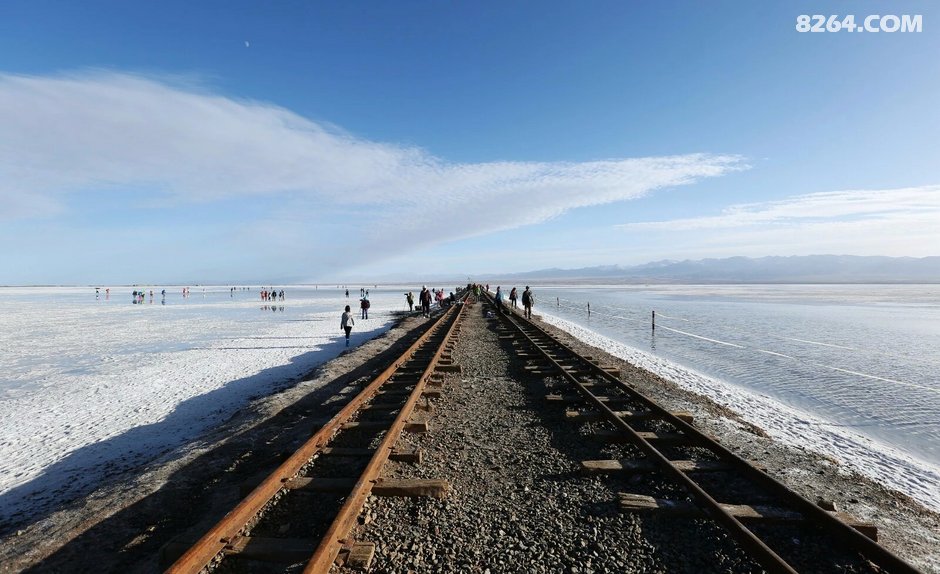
{"points": [[303, 512], [765, 518]]}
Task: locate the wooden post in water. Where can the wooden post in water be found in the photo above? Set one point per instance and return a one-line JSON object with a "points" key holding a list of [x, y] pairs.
{"points": [[654, 320]]}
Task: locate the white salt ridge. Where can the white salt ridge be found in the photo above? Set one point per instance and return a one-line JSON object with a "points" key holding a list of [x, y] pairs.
{"points": [[67, 425], [879, 462]]}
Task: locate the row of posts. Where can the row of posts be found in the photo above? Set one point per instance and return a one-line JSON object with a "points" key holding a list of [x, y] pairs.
{"points": [[558, 304]]}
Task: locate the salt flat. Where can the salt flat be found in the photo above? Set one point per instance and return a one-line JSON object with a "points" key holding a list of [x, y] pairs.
{"points": [[93, 386]]}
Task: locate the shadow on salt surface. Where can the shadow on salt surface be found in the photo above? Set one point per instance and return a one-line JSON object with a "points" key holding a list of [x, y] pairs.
{"points": [[87, 468], [197, 494]]}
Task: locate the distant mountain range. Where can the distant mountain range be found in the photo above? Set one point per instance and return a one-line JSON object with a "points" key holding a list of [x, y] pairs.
{"points": [[795, 269]]}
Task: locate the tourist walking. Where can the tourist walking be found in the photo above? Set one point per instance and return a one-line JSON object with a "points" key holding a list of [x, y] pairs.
{"points": [[499, 300], [512, 298], [364, 305], [425, 298], [528, 300], [410, 297], [346, 323]]}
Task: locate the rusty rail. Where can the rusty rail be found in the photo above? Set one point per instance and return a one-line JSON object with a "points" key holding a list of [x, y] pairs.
{"points": [[333, 541], [212, 546], [746, 537]]}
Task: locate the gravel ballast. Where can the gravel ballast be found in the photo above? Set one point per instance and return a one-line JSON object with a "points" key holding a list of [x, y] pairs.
{"points": [[518, 501]]}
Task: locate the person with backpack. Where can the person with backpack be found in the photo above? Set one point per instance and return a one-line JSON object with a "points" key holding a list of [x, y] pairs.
{"points": [[512, 298], [528, 300], [364, 305], [425, 298], [346, 323]]}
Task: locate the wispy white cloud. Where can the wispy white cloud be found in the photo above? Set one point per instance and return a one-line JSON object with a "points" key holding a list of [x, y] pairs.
{"points": [[899, 222], [173, 143], [876, 205]]}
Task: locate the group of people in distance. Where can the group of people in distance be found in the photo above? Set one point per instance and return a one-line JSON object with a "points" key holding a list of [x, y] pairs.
{"points": [[426, 296], [528, 300], [272, 295]]}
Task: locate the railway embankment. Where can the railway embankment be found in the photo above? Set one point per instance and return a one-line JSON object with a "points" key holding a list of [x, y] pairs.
{"points": [[517, 496]]}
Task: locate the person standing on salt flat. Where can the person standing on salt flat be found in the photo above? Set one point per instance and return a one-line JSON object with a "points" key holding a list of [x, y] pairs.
{"points": [[364, 305], [346, 323], [528, 300], [425, 298]]}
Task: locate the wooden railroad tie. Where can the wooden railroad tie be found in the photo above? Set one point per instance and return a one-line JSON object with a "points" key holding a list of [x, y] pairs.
{"points": [[400, 454], [412, 488], [544, 373], [416, 425], [447, 368], [357, 556], [645, 465], [681, 508], [425, 407], [262, 549], [571, 398], [435, 488], [382, 407], [659, 439], [394, 392], [408, 371], [593, 416], [289, 551], [433, 393]]}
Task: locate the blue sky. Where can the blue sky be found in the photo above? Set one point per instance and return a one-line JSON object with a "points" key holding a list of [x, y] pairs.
{"points": [[222, 141]]}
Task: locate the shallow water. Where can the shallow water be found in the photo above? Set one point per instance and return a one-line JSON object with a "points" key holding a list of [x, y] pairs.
{"points": [[860, 357]]}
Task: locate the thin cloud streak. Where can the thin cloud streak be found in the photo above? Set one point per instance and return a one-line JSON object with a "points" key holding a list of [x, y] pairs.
{"points": [[885, 204], [167, 145], [894, 222]]}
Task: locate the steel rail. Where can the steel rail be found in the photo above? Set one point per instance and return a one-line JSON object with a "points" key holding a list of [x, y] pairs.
{"points": [[214, 543], [334, 539], [768, 558], [765, 555]]}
